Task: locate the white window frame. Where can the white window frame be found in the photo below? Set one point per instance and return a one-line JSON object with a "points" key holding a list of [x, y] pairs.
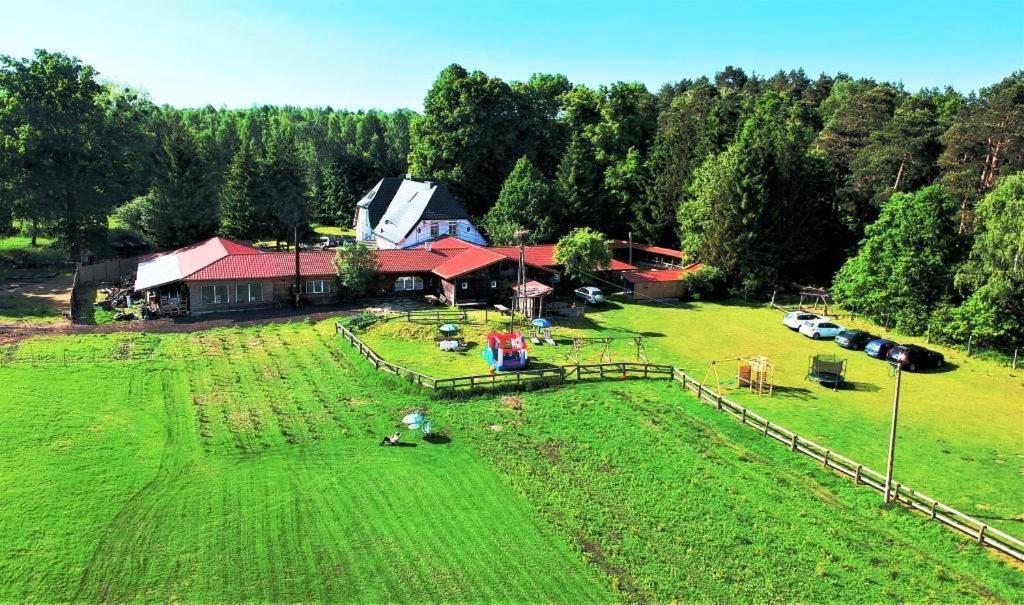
{"points": [[494, 284], [317, 286], [249, 289], [408, 283], [453, 228], [214, 299], [465, 285], [435, 229]]}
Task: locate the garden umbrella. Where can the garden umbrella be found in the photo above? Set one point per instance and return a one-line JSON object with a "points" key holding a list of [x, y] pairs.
{"points": [[414, 418], [449, 328], [540, 322]]}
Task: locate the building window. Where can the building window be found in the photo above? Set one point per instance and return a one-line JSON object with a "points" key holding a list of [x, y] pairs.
{"points": [[494, 284], [465, 285], [215, 294], [453, 227], [317, 286], [249, 293], [408, 284], [435, 229]]}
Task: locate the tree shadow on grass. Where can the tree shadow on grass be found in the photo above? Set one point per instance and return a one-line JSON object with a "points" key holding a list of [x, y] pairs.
{"points": [[793, 392]]}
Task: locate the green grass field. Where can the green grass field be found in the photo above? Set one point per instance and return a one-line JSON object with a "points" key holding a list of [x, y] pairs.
{"points": [[966, 420], [242, 465]]}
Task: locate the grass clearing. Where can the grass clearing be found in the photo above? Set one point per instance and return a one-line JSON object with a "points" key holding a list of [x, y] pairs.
{"points": [[961, 430], [242, 464]]}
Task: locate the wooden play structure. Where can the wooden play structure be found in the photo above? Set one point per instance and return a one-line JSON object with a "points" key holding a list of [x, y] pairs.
{"points": [[755, 373]]}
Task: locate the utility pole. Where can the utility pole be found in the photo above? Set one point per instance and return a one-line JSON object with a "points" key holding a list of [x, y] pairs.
{"points": [[892, 435], [519, 293], [298, 274]]}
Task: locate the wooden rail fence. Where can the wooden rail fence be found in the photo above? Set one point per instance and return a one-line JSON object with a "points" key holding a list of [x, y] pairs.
{"points": [[553, 375], [861, 475], [977, 530]]}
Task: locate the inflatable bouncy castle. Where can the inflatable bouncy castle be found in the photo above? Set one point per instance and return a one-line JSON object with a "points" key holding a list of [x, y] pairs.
{"points": [[506, 351]]}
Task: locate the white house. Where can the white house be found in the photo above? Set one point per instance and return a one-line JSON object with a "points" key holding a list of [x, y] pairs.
{"points": [[403, 213]]}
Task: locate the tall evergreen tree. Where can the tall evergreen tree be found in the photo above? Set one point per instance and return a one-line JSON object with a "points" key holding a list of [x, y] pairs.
{"points": [[984, 143], [760, 210], [183, 206], [527, 201], [239, 213]]}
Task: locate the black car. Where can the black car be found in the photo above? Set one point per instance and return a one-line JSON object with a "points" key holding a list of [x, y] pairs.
{"points": [[853, 339], [914, 358], [879, 348]]}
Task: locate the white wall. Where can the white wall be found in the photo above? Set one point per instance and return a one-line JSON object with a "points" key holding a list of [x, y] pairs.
{"points": [[465, 230]]}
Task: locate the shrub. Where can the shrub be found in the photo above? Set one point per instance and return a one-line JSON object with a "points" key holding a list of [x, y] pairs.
{"points": [[706, 283]]}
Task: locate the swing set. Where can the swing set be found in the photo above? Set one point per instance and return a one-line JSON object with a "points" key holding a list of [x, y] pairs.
{"points": [[581, 344]]}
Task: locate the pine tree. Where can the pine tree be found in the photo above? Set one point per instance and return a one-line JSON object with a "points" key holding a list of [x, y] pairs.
{"points": [[527, 201]]}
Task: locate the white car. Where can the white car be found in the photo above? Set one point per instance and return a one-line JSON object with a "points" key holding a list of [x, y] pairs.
{"points": [[590, 295], [820, 328], [794, 319]]}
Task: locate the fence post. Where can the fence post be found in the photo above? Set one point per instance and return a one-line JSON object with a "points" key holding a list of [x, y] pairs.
{"points": [[766, 424], [970, 341], [981, 534], [743, 419], [932, 515], [792, 445], [1014, 367], [718, 402], [856, 478], [827, 452]]}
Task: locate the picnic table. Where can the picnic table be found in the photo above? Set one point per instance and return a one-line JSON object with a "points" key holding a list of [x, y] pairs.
{"points": [[432, 299], [503, 309]]}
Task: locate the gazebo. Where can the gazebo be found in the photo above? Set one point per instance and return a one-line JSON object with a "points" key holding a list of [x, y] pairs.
{"points": [[529, 298]]}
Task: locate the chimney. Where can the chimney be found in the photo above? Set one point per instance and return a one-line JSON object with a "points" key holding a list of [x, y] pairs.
{"points": [[408, 176], [426, 246]]}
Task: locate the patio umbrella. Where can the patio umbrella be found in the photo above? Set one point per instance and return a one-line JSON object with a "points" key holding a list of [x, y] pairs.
{"points": [[540, 322], [449, 328], [414, 418]]}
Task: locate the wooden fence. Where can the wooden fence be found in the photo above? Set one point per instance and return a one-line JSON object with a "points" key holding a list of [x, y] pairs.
{"points": [[107, 271], [552, 375], [861, 475], [426, 315]]}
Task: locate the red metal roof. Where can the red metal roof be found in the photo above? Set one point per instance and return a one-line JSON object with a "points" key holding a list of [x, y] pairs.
{"points": [[543, 256], [471, 259], [411, 260], [621, 243], [661, 275], [266, 265]]}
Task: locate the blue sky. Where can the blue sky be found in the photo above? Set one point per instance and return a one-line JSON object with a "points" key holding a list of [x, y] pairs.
{"points": [[385, 54]]}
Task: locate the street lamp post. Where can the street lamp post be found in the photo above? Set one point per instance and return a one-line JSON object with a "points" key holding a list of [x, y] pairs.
{"points": [[892, 436]]}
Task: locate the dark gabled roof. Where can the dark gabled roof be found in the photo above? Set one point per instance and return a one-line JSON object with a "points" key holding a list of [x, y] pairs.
{"points": [[443, 205], [385, 192], [416, 201]]}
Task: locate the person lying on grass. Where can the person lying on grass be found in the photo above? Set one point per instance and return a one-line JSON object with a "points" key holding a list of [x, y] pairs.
{"points": [[392, 440]]}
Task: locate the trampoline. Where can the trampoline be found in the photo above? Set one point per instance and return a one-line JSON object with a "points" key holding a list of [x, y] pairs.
{"points": [[827, 370]]}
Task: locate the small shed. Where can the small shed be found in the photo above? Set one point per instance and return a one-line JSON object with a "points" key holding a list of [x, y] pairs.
{"points": [[530, 298]]}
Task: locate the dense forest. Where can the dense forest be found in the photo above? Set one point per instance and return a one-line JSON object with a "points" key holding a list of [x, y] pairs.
{"points": [[907, 199]]}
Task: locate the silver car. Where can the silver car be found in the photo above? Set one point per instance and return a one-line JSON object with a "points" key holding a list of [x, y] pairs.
{"points": [[590, 295]]}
